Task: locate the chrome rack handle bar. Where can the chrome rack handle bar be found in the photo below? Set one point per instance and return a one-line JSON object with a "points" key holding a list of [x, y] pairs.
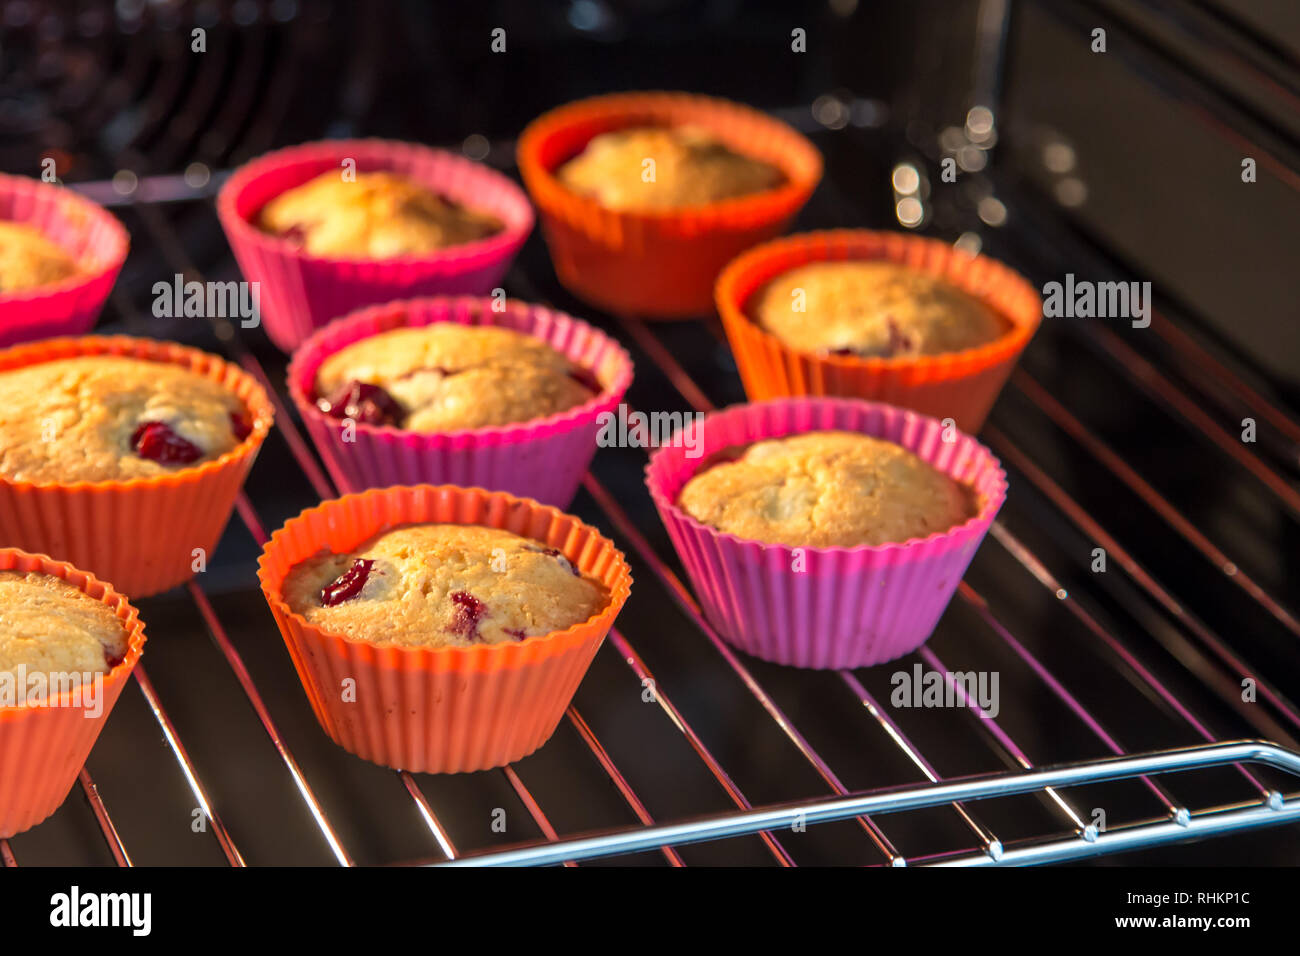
{"points": [[1183, 825]]}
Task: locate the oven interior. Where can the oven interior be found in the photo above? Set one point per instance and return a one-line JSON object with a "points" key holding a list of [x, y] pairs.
{"points": [[1123, 165]]}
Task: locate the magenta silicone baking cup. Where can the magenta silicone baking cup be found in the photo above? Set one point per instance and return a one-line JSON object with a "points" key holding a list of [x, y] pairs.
{"points": [[543, 459], [88, 232], [301, 292], [825, 607]]}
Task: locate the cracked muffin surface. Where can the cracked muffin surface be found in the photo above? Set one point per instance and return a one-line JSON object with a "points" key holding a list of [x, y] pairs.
{"points": [[28, 260], [50, 626], [691, 167], [377, 215], [826, 489], [443, 585], [872, 308], [109, 417], [447, 376]]}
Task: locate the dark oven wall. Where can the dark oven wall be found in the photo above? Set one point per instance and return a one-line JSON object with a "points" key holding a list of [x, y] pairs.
{"points": [[1157, 126]]}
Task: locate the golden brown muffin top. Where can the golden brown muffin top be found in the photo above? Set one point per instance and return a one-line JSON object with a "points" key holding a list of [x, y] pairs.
{"points": [[50, 626], [376, 216], [104, 417], [691, 167], [443, 585], [29, 260], [826, 489], [447, 376], [873, 308]]}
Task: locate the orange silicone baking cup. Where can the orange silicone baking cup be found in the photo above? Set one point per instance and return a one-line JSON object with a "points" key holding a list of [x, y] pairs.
{"points": [[658, 264], [42, 749], [139, 533], [440, 709], [959, 385]]}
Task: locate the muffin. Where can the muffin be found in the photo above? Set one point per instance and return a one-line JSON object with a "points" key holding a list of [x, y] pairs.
{"points": [[28, 260], [49, 626], [59, 256], [448, 376], [889, 317], [826, 489], [691, 167], [438, 628], [124, 456], [873, 308], [443, 585], [824, 532], [112, 418], [507, 396], [63, 624], [725, 177], [374, 216], [417, 222]]}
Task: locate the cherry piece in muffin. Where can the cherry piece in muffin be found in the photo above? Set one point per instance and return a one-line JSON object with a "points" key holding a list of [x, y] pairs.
{"points": [[347, 585], [158, 442], [469, 611], [362, 402], [240, 425]]}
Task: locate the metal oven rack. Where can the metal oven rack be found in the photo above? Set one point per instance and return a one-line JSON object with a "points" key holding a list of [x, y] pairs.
{"points": [[1122, 724]]}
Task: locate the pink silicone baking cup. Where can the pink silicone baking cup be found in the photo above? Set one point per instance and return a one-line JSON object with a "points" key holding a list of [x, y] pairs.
{"points": [[87, 232], [42, 749], [825, 607], [300, 292], [542, 459]]}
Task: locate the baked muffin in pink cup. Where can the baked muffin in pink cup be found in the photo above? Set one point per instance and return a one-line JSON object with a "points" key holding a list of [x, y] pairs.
{"points": [[546, 381], [829, 607], [66, 225], [301, 291]]}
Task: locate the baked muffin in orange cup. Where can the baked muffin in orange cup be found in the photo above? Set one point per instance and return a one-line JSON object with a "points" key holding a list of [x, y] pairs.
{"points": [[661, 262], [44, 741], [388, 686], [124, 456], [961, 384]]}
